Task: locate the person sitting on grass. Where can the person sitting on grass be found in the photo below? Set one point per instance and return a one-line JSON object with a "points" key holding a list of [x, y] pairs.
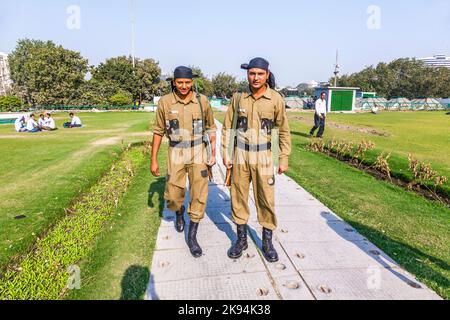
{"points": [[19, 124], [41, 120], [49, 123], [32, 125], [75, 123]]}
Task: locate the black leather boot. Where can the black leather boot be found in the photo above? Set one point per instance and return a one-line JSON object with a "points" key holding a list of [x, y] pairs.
{"points": [[241, 244], [179, 224], [269, 251], [195, 249]]}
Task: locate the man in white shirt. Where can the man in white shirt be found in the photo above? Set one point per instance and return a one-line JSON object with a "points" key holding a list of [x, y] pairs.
{"points": [[41, 120], [32, 125], [49, 123], [19, 124], [75, 123], [320, 116]]}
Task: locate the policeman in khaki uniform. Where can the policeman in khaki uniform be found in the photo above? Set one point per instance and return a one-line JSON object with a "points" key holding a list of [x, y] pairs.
{"points": [[185, 120], [256, 114]]}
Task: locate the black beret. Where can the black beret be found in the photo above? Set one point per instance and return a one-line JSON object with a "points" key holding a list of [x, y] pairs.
{"points": [[183, 73], [259, 63]]}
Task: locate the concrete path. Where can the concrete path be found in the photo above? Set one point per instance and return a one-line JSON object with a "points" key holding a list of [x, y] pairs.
{"points": [[321, 256]]}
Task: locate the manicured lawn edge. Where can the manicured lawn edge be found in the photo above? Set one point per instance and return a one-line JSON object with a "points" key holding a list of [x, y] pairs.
{"points": [[118, 266], [44, 272], [401, 213]]}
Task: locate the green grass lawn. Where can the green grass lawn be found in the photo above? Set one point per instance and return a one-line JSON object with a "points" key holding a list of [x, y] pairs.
{"points": [[42, 173], [426, 135], [412, 230], [119, 264]]}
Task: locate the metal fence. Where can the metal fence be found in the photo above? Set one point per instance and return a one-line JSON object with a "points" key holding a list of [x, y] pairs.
{"points": [[400, 105]]}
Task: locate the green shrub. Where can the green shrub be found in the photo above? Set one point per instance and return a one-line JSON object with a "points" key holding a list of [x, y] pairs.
{"points": [[120, 99], [46, 272], [10, 103]]}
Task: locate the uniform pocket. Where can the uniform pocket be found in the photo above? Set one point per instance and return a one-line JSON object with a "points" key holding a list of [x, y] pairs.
{"points": [[173, 124], [197, 123], [267, 123], [242, 123], [204, 173]]}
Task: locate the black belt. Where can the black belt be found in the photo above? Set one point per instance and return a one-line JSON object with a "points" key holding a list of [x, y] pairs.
{"points": [[186, 144], [254, 147]]}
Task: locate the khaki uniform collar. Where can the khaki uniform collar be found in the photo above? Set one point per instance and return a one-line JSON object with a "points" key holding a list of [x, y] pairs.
{"points": [[177, 99], [267, 94]]}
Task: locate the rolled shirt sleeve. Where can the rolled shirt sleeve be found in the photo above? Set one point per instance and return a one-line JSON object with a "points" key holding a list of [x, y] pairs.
{"points": [[160, 122], [282, 124]]}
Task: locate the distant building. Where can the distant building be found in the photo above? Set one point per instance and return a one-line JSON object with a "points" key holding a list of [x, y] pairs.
{"points": [[439, 60], [5, 75]]}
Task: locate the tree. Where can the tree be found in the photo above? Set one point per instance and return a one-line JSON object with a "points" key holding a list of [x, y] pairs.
{"points": [[408, 78], [305, 90], [46, 74], [224, 85], [204, 85], [242, 86], [142, 82], [95, 93], [121, 99], [148, 73], [10, 103]]}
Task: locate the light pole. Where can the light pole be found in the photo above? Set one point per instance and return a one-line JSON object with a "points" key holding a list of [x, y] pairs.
{"points": [[336, 68], [132, 32]]}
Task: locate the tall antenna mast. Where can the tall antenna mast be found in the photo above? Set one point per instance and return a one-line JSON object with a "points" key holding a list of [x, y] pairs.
{"points": [[337, 68], [132, 33]]}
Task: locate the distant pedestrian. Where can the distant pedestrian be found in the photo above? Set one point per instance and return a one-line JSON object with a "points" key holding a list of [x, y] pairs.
{"points": [[320, 116]]}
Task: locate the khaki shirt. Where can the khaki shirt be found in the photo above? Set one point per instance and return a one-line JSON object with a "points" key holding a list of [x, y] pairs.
{"points": [[269, 106], [188, 114]]}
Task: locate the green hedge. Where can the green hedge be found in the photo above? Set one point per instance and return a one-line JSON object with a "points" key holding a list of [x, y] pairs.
{"points": [[10, 103], [44, 273]]}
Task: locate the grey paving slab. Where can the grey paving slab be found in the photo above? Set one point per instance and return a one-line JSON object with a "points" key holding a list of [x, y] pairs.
{"points": [[284, 266], [292, 287], [369, 283], [313, 213], [336, 255], [311, 231], [178, 264], [208, 235], [245, 286]]}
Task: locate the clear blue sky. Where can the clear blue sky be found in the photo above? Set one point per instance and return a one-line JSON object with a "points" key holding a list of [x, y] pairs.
{"points": [[298, 37]]}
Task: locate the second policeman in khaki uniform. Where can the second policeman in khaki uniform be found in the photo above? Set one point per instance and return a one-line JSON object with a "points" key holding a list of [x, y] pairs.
{"points": [[260, 113], [179, 117]]}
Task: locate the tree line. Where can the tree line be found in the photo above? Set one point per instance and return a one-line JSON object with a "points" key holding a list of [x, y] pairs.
{"points": [[46, 74], [406, 77]]}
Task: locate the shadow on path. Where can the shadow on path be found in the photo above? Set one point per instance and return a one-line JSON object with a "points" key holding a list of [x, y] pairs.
{"points": [[134, 283]]}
